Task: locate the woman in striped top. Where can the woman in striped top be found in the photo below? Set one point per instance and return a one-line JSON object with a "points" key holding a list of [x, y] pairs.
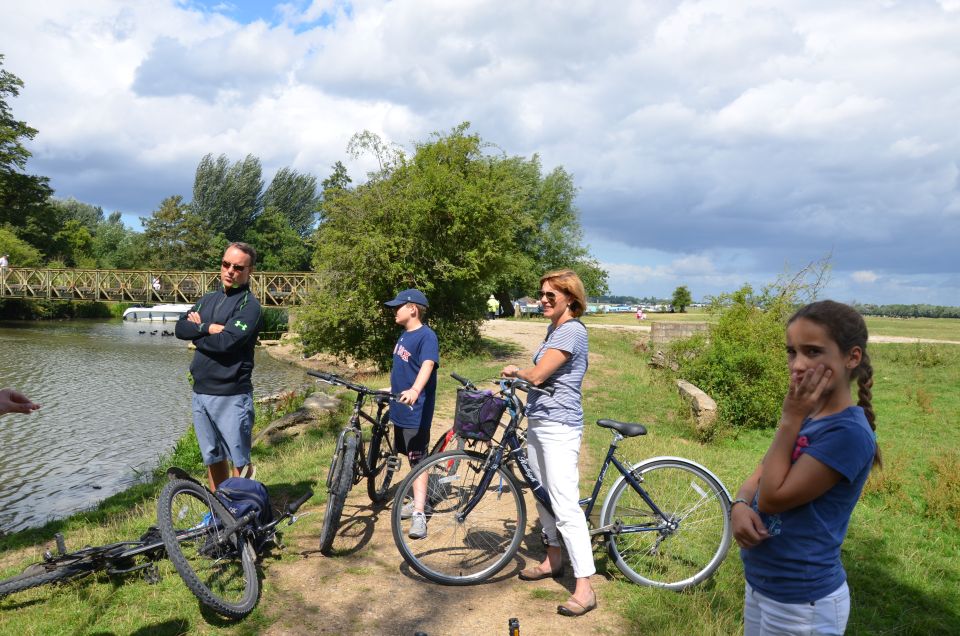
{"points": [[554, 433]]}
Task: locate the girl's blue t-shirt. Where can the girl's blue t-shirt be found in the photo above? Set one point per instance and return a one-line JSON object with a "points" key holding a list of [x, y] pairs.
{"points": [[800, 562], [412, 349]]}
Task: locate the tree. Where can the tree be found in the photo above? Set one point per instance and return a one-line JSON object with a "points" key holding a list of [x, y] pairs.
{"points": [[90, 216], [279, 247], [178, 238], [115, 246], [681, 299], [294, 197], [228, 198], [21, 253], [451, 220], [73, 243], [23, 197], [547, 235]]}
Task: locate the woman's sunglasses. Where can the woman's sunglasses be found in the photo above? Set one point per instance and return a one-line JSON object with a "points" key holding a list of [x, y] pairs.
{"points": [[549, 295]]}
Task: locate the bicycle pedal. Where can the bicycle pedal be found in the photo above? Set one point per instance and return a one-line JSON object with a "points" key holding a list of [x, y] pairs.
{"points": [[151, 574], [393, 463]]}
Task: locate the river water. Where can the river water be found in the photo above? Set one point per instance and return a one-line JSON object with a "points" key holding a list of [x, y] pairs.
{"points": [[113, 401]]}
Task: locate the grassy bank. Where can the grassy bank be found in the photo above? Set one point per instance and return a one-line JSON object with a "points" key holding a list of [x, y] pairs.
{"points": [[129, 605], [902, 553]]}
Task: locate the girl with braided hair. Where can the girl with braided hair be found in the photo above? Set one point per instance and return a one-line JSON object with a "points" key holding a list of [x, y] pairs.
{"points": [[797, 504]]}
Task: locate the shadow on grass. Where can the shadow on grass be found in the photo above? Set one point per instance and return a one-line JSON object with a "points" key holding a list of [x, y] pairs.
{"points": [[499, 350], [882, 603]]}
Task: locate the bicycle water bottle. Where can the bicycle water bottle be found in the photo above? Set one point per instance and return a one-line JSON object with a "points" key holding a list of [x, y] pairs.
{"points": [[513, 627]]}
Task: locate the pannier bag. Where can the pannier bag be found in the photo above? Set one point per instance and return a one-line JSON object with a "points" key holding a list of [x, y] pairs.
{"points": [[478, 414], [241, 495]]}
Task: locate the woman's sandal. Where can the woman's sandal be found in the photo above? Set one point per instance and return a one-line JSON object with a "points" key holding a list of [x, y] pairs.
{"points": [[573, 607], [536, 574]]}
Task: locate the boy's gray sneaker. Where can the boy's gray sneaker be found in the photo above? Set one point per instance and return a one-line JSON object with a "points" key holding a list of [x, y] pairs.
{"points": [[418, 527], [407, 511]]}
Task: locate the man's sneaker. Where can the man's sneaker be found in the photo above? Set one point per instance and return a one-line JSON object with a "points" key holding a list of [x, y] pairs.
{"points": [[248, 472], [418, 527], [407, 511]]}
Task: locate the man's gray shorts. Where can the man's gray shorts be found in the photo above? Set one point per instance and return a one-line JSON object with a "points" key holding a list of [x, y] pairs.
{"points": [[224, 426]]}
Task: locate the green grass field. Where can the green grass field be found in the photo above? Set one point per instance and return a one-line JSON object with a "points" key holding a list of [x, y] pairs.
{"points": [[902, 552]]}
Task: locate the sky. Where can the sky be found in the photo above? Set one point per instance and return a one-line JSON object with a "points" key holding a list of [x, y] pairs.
{"points": [[713, 143]]}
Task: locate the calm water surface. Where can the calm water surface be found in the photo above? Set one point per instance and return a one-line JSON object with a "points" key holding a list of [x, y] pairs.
{"points": [[113, 401]]}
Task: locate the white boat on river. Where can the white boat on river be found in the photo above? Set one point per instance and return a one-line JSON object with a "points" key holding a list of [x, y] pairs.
{"points": [[156, 313]]}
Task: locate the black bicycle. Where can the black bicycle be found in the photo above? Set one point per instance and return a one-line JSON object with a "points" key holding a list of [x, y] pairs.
{"points": [[351, 462], [666, 520], [116, 559], [215, 553]]}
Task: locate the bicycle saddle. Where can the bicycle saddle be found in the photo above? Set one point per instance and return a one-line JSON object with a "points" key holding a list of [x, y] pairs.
{"points": [[627, 429]]}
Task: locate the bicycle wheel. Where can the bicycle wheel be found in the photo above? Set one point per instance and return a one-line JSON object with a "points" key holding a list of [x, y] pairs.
{"points": [[222, 575], [39, 574], [476, 548], [340, 481], [681, 548], [382, 462]]}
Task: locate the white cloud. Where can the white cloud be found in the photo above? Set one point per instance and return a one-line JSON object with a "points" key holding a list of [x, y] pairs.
{"points": [[776, 132], [865, 277]]}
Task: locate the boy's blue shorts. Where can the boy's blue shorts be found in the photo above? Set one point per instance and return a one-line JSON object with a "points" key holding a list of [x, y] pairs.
{"points": [[224, 427]]}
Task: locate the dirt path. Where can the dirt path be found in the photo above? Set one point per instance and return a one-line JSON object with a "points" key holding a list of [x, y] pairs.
{"points": [[367, 588]]}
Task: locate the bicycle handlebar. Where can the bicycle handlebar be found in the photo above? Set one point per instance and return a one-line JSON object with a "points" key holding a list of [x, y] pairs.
{"points": [[462, 380], [332, 378], [293, 506], [525, 385]]}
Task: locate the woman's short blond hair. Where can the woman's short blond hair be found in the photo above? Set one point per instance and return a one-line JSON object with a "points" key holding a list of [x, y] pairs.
{"points": [[567, 281]]}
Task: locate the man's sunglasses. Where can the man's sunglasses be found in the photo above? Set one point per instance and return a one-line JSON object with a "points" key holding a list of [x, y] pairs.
{"points": [[233, 266], [550, 296]]}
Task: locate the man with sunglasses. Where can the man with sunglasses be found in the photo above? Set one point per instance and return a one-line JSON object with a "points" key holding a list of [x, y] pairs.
{"points": [[223, 325]]}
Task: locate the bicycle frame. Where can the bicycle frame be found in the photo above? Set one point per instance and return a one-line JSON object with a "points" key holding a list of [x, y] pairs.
{"points": [[356, 421], [510, 443]]}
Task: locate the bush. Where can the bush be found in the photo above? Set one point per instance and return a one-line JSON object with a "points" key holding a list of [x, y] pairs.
{"points": [[742, 363]]}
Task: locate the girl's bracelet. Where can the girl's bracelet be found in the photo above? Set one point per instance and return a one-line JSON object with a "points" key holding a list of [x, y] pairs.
{"points": [[740, 500]]}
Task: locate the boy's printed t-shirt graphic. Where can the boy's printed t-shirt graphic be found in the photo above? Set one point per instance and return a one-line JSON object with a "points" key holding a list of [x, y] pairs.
{"points": [[413, 348]]}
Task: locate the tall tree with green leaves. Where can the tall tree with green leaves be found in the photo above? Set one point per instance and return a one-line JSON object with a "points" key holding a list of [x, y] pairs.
{"points": [[23, 197], [227, 197], [178, 238], [280, 248], [681, 299], [445, 220], [294, 196]]}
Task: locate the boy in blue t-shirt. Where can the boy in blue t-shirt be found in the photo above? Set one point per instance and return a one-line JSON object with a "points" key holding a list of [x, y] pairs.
{"points": [[416, 357]]}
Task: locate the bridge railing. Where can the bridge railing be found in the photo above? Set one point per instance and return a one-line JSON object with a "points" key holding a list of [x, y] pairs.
{"points": [[273, 289]]}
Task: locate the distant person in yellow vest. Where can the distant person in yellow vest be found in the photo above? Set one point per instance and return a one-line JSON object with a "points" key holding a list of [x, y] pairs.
{"points": [[493, 307]]}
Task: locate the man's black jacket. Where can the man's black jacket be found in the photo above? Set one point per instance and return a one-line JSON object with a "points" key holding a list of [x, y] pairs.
{"points": [[223, 362]]}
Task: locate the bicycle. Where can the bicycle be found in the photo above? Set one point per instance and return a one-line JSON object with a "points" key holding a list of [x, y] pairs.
{"points": [[214, 553], [666, 520], [351, 462], [119, 558]]}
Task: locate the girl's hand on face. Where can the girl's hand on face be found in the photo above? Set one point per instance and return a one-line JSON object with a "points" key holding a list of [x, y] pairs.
{"points": [[806, 393], [748, 529]]}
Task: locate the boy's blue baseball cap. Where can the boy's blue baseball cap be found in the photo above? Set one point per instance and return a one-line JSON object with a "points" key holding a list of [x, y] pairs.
{"points": [[408, 296]]}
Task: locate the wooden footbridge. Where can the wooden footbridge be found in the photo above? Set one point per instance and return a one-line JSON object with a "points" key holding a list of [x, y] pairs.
{"points": [[273, 289]]}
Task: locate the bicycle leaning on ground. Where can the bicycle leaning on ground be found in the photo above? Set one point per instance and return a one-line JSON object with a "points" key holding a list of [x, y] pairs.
{"points": [[213, 552], [351, 462], [666, 520], [116, 559]]}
